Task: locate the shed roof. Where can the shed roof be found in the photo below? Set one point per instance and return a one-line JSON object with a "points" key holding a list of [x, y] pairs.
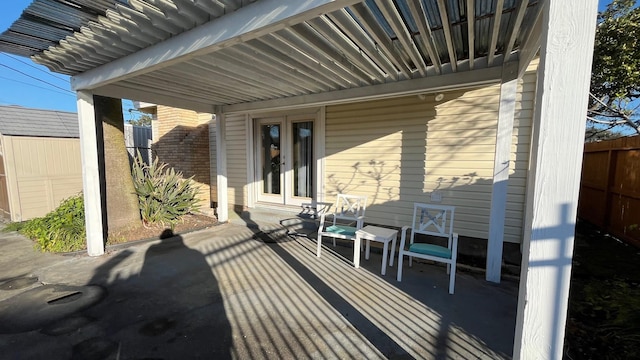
{"points": [[20, 121]]}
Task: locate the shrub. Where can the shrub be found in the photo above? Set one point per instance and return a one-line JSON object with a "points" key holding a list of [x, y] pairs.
{"points": [[61, 230], [164, 196]]}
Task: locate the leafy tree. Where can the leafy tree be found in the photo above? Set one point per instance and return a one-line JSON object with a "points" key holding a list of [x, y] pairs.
{"points": [[142, 120], [594, 134], [615, 78]]}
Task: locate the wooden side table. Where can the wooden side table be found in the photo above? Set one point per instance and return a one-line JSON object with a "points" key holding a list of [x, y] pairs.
{"points": [[379, 234]]}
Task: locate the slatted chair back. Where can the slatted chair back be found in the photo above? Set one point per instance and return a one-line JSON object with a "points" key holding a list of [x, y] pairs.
{"points": [[433, 220]]}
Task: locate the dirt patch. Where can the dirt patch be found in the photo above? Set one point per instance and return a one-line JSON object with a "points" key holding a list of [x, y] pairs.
{"points": [[604, 301], [190, 222]]}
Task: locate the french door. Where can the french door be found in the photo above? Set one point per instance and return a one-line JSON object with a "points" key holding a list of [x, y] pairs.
{"points": [[285, 161]]}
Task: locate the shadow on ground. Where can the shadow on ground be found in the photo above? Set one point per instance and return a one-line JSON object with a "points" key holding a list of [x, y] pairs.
{"points": [[167, 306], [604, 301]]}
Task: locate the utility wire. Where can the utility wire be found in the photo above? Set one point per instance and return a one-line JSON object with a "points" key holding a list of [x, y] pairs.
{"points": [[39, 87], [35, 78], [35, 67]]}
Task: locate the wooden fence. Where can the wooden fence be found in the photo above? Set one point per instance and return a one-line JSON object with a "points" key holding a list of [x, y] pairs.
{"points": [[610, 187]]}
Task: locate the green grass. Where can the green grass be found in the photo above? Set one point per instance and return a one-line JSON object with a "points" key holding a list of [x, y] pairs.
{"points": [[14, 226]]}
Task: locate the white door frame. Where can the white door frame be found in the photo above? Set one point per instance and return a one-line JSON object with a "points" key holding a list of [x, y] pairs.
{"points": [[276, 198], [257, 198]]}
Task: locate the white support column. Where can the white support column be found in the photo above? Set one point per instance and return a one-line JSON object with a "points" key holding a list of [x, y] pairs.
{"points": [[251, 188], [90, 174], [568, 30], [221, 156], [506, 114], [319, 149]]}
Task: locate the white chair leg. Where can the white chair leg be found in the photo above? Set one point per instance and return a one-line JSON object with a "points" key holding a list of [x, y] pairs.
{"points": [[399, 277], [334, 242], [319, 245], [452, 279]]}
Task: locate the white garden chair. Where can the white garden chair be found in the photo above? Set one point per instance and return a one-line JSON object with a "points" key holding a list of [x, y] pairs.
{"points": [[346, 219], [430, 221]]}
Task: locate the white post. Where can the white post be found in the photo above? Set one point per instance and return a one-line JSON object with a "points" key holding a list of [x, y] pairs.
{"points": [[507, 111], [90, 174], [221, 156], [568, 30]]}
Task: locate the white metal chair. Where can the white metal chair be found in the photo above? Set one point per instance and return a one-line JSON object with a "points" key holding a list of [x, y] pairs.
{"points": [[347, 218], [431, 220]]}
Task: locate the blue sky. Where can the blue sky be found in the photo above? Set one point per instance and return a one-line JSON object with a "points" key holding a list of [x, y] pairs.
{"points": [[22, 82]]}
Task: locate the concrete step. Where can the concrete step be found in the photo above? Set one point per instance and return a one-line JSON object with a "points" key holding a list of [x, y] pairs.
{"points": [[277, 222]]}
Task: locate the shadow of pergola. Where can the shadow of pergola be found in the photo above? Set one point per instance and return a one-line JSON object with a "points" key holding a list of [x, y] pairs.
{"points": [[284, 302]]}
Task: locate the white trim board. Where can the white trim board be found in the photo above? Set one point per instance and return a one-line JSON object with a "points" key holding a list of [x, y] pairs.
{"points": [[446, 82]]}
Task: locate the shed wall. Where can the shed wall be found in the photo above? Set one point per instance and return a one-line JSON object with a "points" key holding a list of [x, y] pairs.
{"points": [[41, 173]]}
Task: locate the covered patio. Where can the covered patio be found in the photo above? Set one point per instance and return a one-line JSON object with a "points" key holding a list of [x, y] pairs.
{"points": [[223, 293], [239, 58]]}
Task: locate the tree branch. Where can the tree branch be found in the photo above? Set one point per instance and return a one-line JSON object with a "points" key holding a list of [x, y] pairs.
{"points": [[627, 120]]}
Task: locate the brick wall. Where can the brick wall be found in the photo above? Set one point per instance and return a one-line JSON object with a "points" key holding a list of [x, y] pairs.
{"points": [[181, 140]]}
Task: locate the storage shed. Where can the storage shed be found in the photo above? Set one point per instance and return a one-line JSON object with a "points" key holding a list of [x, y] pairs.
{"points": [[39, 161]]}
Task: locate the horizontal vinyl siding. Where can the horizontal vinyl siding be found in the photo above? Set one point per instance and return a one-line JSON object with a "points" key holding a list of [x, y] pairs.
{"points": [[398, 151], [378, 149], [460, 156], [519, 165], [236, 137]]}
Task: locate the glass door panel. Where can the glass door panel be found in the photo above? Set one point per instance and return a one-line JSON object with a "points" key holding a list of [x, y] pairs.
{"points": [[270, 164], [285, 160], [303, 160]]}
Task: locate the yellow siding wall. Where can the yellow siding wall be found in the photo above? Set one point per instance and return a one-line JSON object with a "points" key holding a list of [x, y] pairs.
{"points": [[398, 151], [378, 149], [460, 153], [521, 146], [236, 137], [41, 172]]}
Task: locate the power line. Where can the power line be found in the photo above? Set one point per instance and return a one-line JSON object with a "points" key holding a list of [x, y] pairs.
{"points": [[39, 87], [35, 67], [35, 78]]}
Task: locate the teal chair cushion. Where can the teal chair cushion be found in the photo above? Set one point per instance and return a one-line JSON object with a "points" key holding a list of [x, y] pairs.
{"points": [[430, 249], [342, 230]]}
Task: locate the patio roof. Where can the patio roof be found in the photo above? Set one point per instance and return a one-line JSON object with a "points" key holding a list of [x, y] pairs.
{"points": [[227, 57]]}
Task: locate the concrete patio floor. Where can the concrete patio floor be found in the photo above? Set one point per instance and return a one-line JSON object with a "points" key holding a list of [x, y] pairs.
{"points": [[224, 293]]}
